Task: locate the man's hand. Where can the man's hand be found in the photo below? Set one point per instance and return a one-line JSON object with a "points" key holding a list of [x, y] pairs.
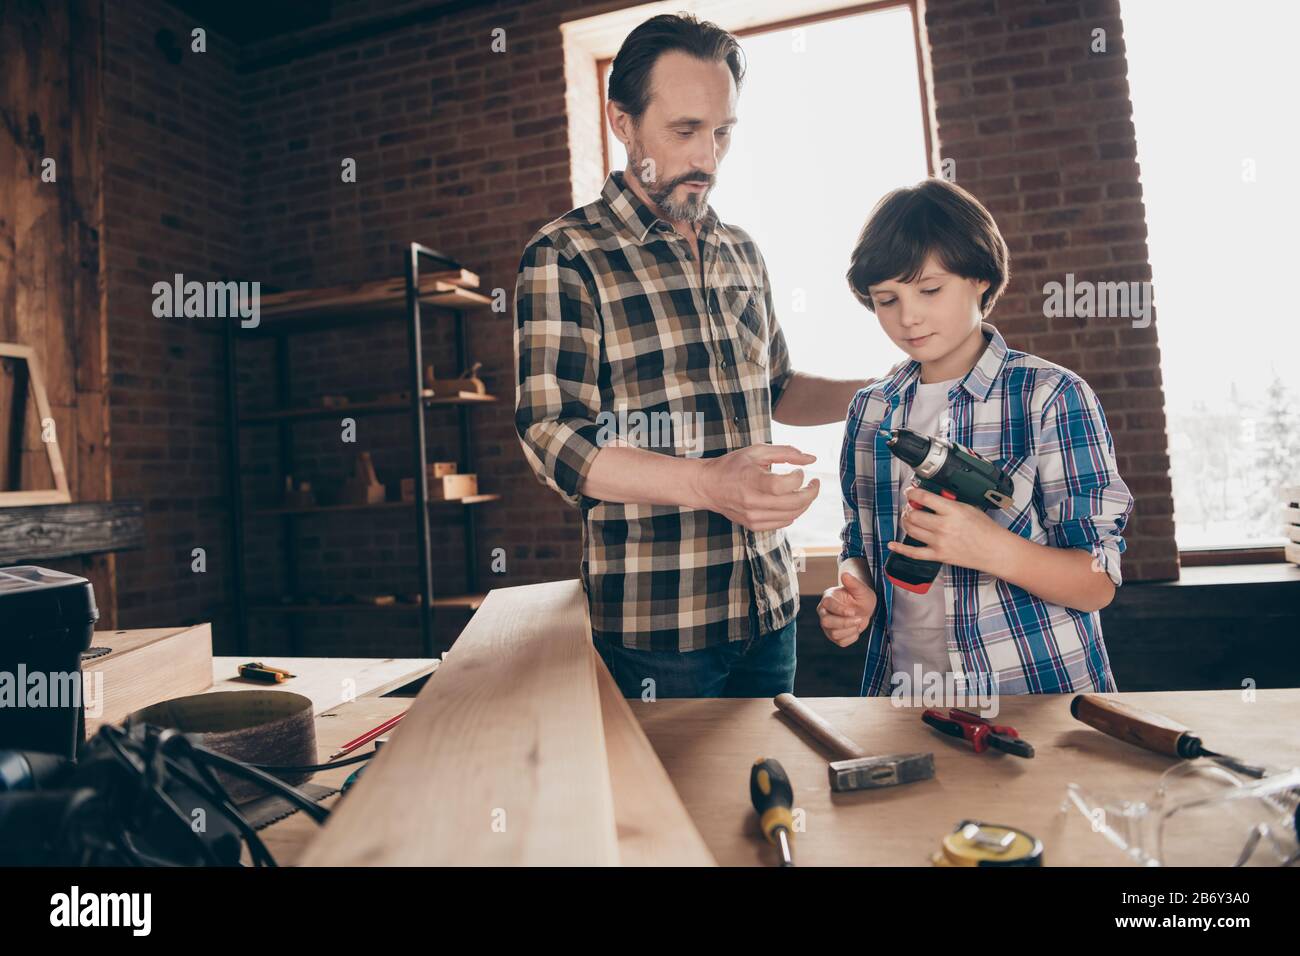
{"points": [[957, 533], [740, 485], [845, 610]]}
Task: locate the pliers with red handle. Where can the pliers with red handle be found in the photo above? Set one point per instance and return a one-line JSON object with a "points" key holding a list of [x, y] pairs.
{"points": [[981, 733]]}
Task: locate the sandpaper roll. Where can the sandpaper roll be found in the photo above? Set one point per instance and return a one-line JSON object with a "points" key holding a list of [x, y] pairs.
{"points": [[272, 727]]}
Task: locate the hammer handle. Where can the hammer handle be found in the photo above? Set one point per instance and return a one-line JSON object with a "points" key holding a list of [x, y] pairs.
{"points": [[842, 747]]}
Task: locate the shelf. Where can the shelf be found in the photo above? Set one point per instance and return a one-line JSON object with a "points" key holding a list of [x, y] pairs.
{"points": [[468, 602], [47, 532], [441, 287], [379, 505], [313, 310], [270, 415]]}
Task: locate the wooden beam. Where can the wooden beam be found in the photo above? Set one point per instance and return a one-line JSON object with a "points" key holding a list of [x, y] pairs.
{"points": [[654, 828], [501, 759], [51, 531]]}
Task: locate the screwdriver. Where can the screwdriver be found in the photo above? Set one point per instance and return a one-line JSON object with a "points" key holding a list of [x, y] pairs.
{"points": [[773, 797]]}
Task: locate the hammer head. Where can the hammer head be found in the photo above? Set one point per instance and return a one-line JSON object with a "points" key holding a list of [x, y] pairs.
{"points": [[889, 770]]}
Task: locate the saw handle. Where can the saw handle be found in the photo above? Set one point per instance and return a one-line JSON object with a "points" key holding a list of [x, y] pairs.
{"points": [[1135, 726]]}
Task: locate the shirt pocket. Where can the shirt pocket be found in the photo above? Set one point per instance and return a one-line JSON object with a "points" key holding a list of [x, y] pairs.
{"points": [[745, 315]]}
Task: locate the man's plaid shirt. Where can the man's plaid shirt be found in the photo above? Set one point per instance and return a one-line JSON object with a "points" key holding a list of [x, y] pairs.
{"points": [[1045, 427], [612, 318]]}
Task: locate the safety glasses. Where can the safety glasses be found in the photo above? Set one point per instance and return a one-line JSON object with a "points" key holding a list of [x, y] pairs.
{"points": [[1200, 815]]}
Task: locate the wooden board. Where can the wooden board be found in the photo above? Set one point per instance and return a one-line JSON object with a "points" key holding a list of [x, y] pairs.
{"points": [[52, 289], [327, 681], [707, 747], [501, 760], [654, 828], [147, 666], [46, 532]]}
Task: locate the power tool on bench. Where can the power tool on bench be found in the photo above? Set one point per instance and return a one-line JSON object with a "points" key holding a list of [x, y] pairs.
{"points": [[953, 471]]}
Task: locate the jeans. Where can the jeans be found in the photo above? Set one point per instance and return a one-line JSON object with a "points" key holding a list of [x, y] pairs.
{"points": [[760, 666]]}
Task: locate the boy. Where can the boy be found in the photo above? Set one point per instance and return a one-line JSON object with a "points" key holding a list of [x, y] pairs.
{"points": [[1014, 608]]}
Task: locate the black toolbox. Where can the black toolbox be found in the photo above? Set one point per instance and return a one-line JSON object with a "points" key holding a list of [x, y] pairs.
{"points": [[46, 621]]}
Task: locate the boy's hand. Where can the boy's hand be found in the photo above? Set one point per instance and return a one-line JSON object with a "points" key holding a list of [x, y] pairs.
{"points": [[957, 533], [845, 610]]}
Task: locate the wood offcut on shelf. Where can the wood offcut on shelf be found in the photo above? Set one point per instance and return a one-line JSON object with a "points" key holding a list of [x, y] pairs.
{"points": [[378, 505], [303, 309], [358, 408], [469, 602]]}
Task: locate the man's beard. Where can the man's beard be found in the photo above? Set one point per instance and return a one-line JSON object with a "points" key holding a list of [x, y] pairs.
{"points": [[691, 209]]}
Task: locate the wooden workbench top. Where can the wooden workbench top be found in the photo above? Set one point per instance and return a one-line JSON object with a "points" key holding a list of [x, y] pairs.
{"points": [[708, 746]]}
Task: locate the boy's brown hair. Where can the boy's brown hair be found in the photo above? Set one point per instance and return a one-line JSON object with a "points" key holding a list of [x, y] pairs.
{"points": [[932, 216]]}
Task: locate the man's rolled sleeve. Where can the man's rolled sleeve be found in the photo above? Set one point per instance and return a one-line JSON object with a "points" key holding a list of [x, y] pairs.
{"points": [[1084, 501], [851, 543], [557, 360], [779, 369]]}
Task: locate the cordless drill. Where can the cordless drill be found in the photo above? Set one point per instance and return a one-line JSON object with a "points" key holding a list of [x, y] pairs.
{"points": [[945, 469]]}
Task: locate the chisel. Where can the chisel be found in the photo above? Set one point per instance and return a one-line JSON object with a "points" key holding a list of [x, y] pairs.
{"points": [[1149, 731]]}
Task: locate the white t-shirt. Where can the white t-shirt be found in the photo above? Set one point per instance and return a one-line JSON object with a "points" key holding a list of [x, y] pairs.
{"points": [[918, 632]]}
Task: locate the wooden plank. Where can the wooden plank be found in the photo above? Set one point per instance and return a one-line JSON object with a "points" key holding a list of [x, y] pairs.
{"points": [[70, 530], [654, 828], [707, 747], [501, 759], [147, 666], [52, 296]]}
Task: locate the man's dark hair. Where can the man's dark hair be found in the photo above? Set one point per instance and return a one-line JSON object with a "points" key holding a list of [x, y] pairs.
{"points": [[932, 216], [629, 79]]}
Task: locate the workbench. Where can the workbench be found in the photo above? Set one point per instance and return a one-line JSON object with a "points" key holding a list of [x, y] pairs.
{"points": [[522, 721], [708, 746]]}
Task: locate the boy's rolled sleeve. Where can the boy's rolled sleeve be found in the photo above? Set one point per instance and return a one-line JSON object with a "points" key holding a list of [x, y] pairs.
{"points": [[557, 360], [1084, 501], [851, 543]]}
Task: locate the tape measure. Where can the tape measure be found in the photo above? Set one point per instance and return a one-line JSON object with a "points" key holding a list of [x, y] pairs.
{"points": [[974, 843]]}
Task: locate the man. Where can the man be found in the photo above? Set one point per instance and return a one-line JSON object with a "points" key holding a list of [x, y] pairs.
{"points": [[643, 303]]}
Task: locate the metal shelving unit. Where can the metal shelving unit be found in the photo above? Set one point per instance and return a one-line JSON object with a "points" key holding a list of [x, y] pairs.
{"points": [[318, 310]]}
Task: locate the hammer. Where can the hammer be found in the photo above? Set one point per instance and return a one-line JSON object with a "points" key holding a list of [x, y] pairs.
{"points": [[854, 769]]}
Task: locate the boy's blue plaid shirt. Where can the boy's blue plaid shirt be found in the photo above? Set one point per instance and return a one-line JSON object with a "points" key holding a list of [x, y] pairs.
{"points": [[1045, 427]]}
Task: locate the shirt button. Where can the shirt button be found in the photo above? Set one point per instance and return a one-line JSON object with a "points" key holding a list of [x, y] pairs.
{"points": [[722, 364], [736, 419]]}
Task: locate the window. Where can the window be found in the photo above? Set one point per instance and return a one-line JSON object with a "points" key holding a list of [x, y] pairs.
{"points": [[1217, 136], [851, 86]]}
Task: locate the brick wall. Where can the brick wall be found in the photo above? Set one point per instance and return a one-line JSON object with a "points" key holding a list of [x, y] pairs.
{"points": [[467, 151], [461, 149], [1040, 129], [172, 204]]}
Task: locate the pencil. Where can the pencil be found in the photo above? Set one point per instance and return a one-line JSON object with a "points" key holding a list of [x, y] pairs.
{"points": [[368, 736]]}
